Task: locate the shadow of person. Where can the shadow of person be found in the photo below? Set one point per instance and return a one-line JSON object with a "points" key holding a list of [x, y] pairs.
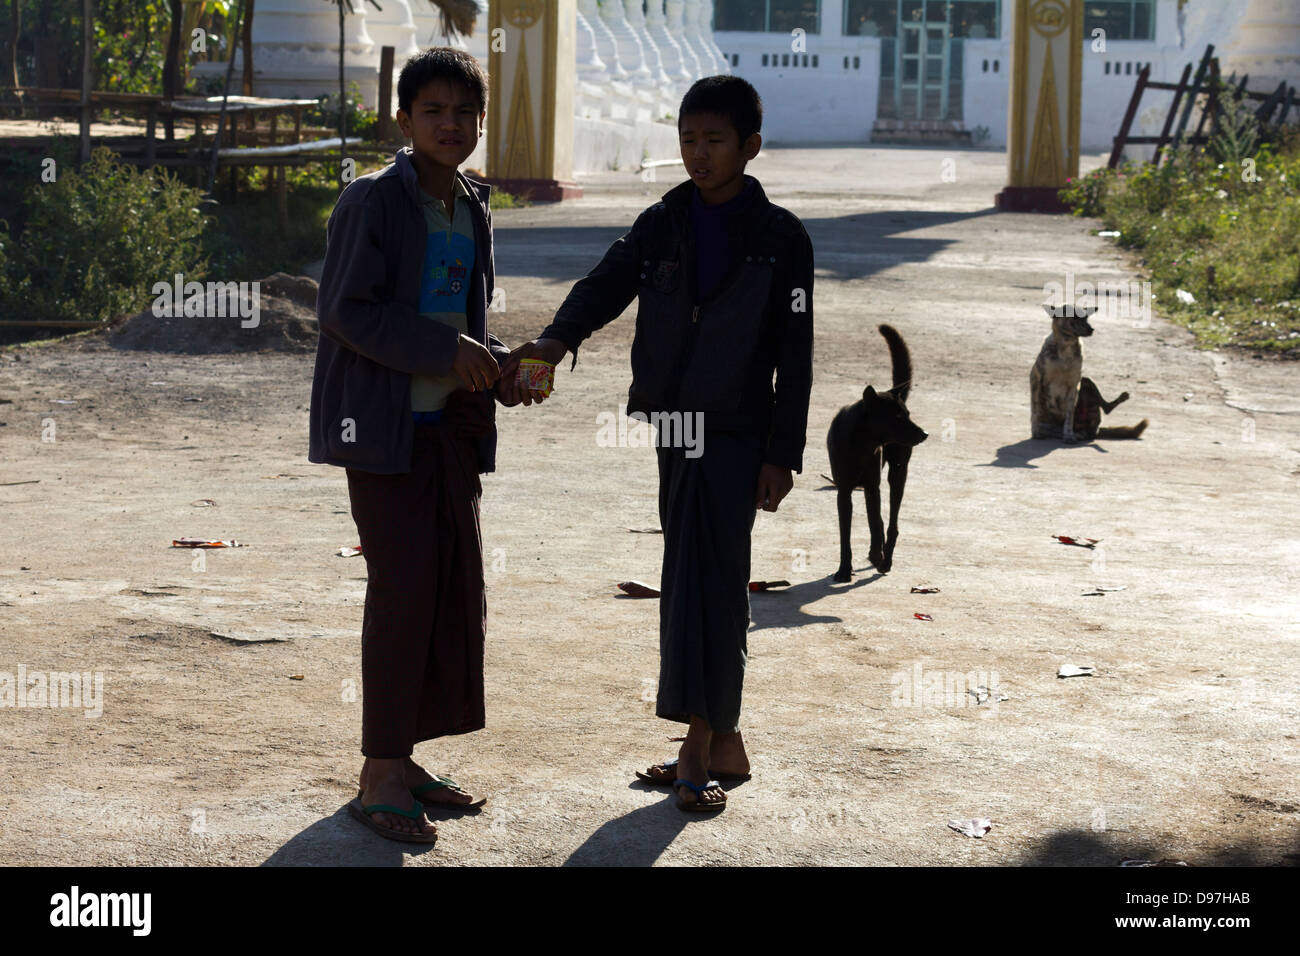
{"points": [[784, 607], [640, 837], [339, 840], [1022, 453]]}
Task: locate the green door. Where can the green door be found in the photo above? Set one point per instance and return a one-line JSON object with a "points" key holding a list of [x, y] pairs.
{"points": [[921, 69]]}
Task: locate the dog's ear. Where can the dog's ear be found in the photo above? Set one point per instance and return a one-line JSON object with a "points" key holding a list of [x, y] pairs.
{"points": [[1051, 312], [868, 394]]}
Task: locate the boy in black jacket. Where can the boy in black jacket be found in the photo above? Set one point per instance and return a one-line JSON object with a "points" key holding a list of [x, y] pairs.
{"points": [[724, 280]]}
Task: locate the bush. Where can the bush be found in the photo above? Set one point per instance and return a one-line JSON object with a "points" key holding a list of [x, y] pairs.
{"points": [[1226, 232], [1084, 194], [97, 240], [363, 123]]}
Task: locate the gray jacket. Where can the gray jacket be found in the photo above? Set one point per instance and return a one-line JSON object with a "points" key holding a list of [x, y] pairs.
{"points": [[372, 336]]}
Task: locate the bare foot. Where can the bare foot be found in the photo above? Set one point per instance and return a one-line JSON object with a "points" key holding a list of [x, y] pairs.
{"points": [[415, 775], [382, 781], [727, 754]]}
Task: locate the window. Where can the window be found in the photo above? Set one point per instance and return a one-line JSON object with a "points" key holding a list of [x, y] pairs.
{"points": [[870, 18], [1121, 19], [767, 16], [977, 19]]}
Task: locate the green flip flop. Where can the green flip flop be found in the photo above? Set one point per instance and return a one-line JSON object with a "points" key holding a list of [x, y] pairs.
{"points": [[439, 782], [363, 813]]}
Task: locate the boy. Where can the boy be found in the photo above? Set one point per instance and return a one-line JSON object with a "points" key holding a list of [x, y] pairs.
{"points": [[724, 280], [402, 398]]}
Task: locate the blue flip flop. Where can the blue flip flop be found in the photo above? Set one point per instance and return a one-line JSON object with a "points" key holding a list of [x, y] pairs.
{"points": [[697, 806]]}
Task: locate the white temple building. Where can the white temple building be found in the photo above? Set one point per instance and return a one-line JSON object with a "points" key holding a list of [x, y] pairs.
{"points": [[849, 71], [938, 71], [635, 59]]}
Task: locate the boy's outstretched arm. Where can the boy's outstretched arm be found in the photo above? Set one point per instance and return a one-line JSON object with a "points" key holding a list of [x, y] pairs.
{"points": [[794, 364], [594, 301], [354, 309]]}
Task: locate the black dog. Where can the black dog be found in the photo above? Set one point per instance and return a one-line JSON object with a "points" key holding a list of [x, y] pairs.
{"points": [[863, 436]]}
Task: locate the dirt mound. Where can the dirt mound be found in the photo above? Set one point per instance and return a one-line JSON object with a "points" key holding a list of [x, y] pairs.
{"points": [[276, 315]]}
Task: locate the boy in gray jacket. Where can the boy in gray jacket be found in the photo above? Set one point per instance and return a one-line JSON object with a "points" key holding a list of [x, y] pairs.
{"points": [[403, 399]]}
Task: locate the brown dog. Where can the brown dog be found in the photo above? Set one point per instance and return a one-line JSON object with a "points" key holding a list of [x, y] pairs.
{"points": [[1062, 403]]}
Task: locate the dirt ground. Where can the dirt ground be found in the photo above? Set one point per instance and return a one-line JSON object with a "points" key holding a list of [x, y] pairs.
{"points": [[208, 751]]}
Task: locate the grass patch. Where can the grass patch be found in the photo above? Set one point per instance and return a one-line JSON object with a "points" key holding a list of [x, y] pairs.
{"points": [[1222, 227]]}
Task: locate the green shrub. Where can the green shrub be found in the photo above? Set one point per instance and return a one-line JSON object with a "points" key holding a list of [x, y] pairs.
{"points": [[1212, 229], [97, 239], [1084, 194], [363, 123]]}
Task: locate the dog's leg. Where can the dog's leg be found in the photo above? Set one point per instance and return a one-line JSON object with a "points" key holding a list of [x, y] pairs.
{"points": [[1071, 401], [898, 457], [844, 500], [871, 490]]}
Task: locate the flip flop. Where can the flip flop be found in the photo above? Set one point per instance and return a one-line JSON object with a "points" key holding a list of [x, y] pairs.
{"points": [[696, 806], [362, 813], [668, 767], [437, 783]]}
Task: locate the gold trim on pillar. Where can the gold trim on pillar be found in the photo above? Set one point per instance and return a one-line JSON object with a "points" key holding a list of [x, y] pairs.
{"points": [[1045, 151], [1045, 154], [1076, 85], [550, 24], [1020, 66], [520, 159]]}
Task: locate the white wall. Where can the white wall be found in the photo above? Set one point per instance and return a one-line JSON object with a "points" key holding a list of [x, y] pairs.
{"points": [[830, 104], [984, 94], [806, 104]]}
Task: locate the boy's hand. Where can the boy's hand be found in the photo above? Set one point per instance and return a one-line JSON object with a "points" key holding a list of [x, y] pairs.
{"points": [[774, 483], [547, 350], [474, 364]]}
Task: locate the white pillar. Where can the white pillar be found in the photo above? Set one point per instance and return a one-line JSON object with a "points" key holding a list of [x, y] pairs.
{"points": [[620, 103], [393, 26], [663, 86], [670, 49], [706, 36], [632, 57], [675, 14], [591, 96], [691, 30]]}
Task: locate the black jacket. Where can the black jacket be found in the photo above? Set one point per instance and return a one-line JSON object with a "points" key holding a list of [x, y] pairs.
{"points": [[372, 336], [715, 356]]}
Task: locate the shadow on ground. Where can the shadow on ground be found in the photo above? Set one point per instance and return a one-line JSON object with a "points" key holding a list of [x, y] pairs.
{"points": [[639, 838], [1022, 453], [847, 247], [339, 840], [785, 608], [1107, 848]]}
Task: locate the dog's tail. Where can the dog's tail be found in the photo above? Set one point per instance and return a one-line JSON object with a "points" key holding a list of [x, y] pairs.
{"points": [[1130, 431], [901, 359]]}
